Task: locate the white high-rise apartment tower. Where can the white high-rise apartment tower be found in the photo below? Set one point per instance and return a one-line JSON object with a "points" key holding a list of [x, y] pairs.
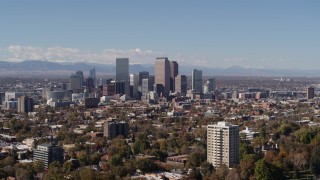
{"points": [[223, 144]]}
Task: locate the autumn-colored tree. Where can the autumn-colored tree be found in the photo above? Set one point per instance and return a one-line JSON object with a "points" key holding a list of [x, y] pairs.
{"points": [[54, 171], [247, 165], [315, 161]]}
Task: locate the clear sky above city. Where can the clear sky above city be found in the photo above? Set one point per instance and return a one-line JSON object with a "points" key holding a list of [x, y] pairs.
{"points": [[262, 34]]}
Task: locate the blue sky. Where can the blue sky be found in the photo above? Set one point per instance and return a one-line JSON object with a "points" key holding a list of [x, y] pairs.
{"points": [[265, 34]]}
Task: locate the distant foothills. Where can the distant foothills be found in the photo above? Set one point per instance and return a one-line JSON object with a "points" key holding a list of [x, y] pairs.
{"points": [[39, 68]]}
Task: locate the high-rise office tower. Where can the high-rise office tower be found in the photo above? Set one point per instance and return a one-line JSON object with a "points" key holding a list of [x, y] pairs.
{"points": [[92, 74], [45, 92], [75, 82], [90, 84], [197, 80], [121, 87], [25, 104], [12, 95], [102, 82], [47, 153], [181, 84], [80, 74], [147, 86], [223, 144], [2, 97], [122, 73], [310, 92], [11, 100], [65, 86], [210, 85], [162, 75], [134, 83], [122, 69], [174, 71], [109, 89], [143, 75]]}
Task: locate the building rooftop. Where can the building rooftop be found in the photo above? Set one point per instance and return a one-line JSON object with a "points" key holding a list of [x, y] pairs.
{"points": [[162, 58], [222, 124], [45, 145]]}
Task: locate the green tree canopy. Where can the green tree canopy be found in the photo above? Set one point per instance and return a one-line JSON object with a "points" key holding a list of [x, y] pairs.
{"points": [[267, 171], [247, 165], [146, 165]]}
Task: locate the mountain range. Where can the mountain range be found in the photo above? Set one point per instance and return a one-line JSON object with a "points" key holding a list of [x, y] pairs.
{"points": [[32, 68]]}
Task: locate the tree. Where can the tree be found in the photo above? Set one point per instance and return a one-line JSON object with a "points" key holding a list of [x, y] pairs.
{"points": [[115, 160], [163, 145], [140, 146], [305, 135], [120, 171], [195, 159], [130, 166], [88, 174], [315, 161], [286, 129], [23, 174], [67, 167], [9, 171], [195, 174], [299, 160], [222, 172], [206, 168], [263, 132], [119, 146], [233, 175], [2, 174], [109, 176], [8, 161], [54, 171], [267, 171], [245, 148], [185, 137], [161, 155], [146, 165], [200, 133], [161, 135], [95, 158], [247, 165], [83, 158], [38, 166]]}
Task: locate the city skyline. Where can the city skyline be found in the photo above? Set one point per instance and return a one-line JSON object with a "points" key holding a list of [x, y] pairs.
{"points": [[212, 33]]}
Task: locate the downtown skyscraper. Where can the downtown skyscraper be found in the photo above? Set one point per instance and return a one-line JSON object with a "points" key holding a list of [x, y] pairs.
{"points": [[122, 75], [134, 84], [75, 82], [174, 71], [181, 84], [80, 74], [25, 104], [92, 74], [162, 75], [197, 80]]}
